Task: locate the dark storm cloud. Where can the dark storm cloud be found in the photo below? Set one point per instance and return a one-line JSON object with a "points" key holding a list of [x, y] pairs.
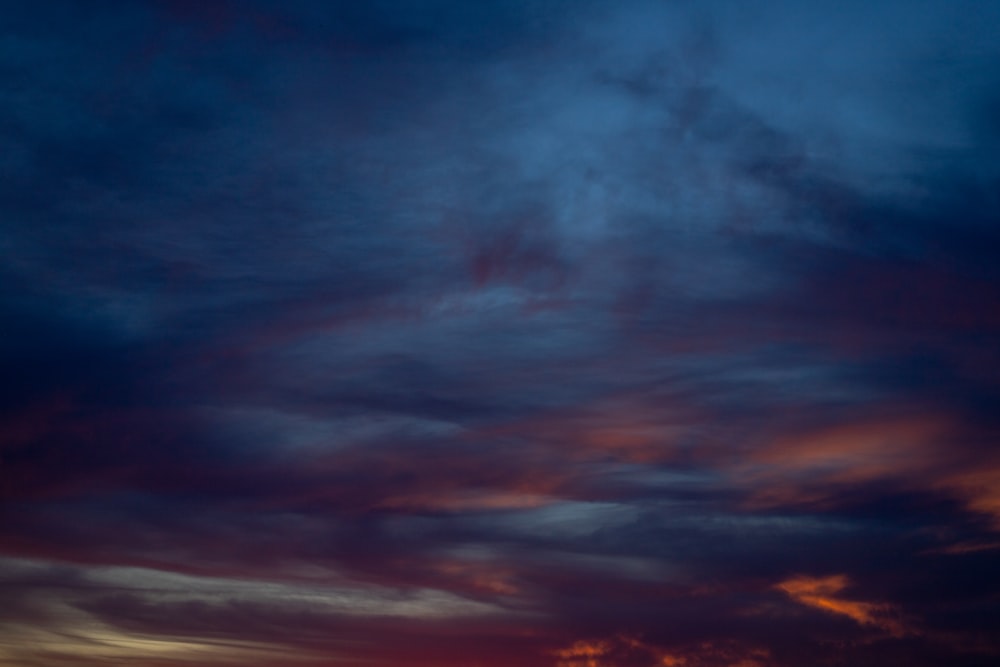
{"points": [[558, 334]]}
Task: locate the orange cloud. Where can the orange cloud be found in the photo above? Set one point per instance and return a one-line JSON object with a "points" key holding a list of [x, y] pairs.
{"points": [[807, 467], [922, 453], [979, 487], [961, 548], [583, 654], [627, 428], [615, 651], [481, 577], [823, 593], [857, 452], [465, 501]]}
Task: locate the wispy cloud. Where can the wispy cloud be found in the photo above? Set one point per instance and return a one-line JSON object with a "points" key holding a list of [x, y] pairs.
{"points": [[824, 593]]}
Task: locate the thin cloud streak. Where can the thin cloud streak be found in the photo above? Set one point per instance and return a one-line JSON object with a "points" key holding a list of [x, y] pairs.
{"points": [[824, 593]]}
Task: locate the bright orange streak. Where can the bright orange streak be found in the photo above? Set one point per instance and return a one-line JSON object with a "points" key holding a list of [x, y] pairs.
{"points": [[583, 654], [613, 651], [821, 593]]}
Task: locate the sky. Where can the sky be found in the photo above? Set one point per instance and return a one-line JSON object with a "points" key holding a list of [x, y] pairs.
{"points": [[519, 333]]}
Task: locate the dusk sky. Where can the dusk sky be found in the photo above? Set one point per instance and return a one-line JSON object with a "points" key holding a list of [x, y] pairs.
{"points": [[499, 333]]}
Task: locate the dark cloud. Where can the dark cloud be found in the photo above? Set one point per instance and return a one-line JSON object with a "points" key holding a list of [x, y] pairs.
{"points": [[568, 334]]}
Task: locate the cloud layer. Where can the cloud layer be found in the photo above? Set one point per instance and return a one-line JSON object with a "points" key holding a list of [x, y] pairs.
{"points": [[549, 334]]}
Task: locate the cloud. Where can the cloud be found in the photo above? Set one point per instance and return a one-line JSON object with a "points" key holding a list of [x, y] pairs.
{"points": [[823, 593], [446, 333], [624, 650]]}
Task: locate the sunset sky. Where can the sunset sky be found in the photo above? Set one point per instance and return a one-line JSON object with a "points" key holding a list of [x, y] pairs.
{"points": [[499, 333]]}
